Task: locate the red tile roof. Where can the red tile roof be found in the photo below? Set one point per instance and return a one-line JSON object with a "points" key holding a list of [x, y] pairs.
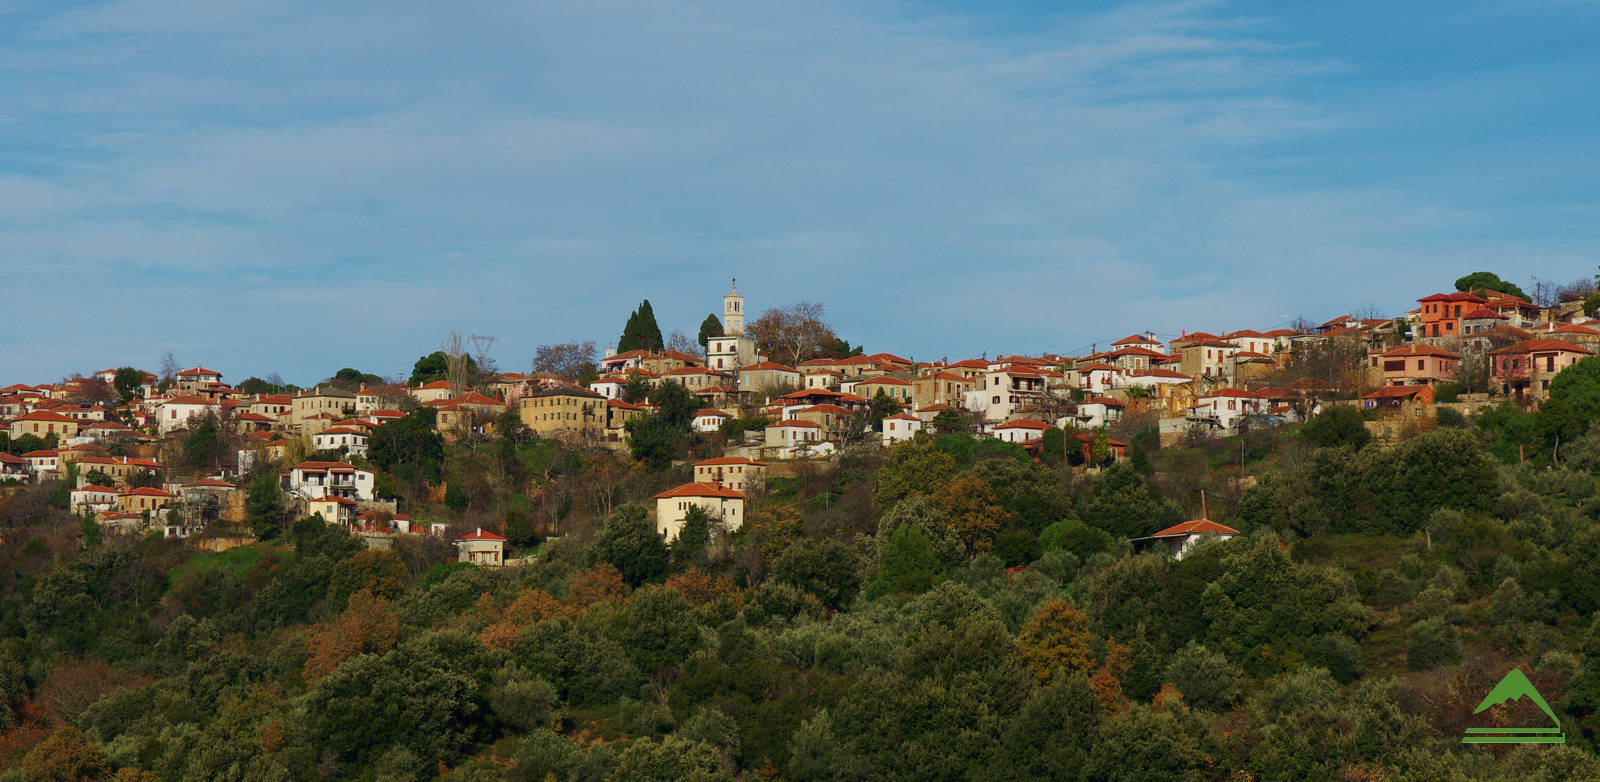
{"points": [[700, 490], [1196, 527], [1542, 346]]}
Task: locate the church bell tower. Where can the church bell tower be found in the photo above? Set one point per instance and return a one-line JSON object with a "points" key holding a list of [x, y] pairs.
{"points": [[733, 312]]}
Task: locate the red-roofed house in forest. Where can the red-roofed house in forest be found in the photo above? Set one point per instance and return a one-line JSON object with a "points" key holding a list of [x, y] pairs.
{"points": [[481, 548], [1175, 541], [719, 502]]}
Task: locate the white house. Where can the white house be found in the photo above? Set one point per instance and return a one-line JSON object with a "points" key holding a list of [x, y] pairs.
{"points": [[1097, 411], [311, 480], [93, 499], [1224, 407], [176, 412], [1001, 391], [1019, 431], [350, 439], [787, 434], [719, 502], [1097, 378], [1146, 341], [899, 428], [42, 463], [481, 548], [709, 420], [1176, 540]]}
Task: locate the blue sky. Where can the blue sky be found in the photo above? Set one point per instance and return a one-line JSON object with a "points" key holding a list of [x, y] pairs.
{"points": [[285, 187]]}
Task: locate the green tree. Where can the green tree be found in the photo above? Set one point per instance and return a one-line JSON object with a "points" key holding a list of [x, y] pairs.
{"points": [[263, 504], [641, 331], [1578, 386], [912, 467], [1431, 642], [907, 565], [883, 406], [434, 366], [952, 420], [822, 567], [204, 449], [1338, 425], [1478, 281], [689, 550], [710, 327], [629, 542], [660, 437], [1123, 503], [409, 444], [127, 383], [1206, 679]]}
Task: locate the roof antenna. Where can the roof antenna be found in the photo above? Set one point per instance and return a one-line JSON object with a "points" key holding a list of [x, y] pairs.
{"points": [[1204, 514]]}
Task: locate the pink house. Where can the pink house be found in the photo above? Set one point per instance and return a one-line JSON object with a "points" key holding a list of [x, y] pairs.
{"points": [[1414, 364]]}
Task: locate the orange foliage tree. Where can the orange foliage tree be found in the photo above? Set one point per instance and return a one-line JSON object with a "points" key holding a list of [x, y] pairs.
{"points": [[701, 587], [367, 625], [1108, 678], [974, 512], [598, 584], [530, 607], [1056, 642]]}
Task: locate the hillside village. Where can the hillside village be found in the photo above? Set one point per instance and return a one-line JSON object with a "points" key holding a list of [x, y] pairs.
{"points": [[1458, 350], [1283, 553]]}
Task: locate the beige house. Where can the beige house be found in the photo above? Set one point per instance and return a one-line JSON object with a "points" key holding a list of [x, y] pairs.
{"points": [[564, 410], [331, 400], [118, 468], [896, 388], [900, 427], [719, 502], [275, 406], [481, 548], [693, 378], [470, 413], [436, 391], [145, 499], [947, 388], [333, 510], [768, 376], [42, 424], [733, 472]]}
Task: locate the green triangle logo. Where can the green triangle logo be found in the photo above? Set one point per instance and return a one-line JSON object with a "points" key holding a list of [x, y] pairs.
{"points": [[1513, 687]]}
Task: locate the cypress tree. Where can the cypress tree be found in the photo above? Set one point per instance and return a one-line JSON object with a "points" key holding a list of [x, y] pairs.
{"points": [[649, 333], [641, 331], [710, 327]]}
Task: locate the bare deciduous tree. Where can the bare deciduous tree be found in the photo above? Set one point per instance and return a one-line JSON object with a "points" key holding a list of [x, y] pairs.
{"points": [[683, 343], [566, 360], [169, 368], [457, 362], [789, 335]]}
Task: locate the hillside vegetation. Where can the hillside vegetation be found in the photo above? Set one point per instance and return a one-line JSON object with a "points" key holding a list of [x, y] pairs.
{"points": [[947, 609]]}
